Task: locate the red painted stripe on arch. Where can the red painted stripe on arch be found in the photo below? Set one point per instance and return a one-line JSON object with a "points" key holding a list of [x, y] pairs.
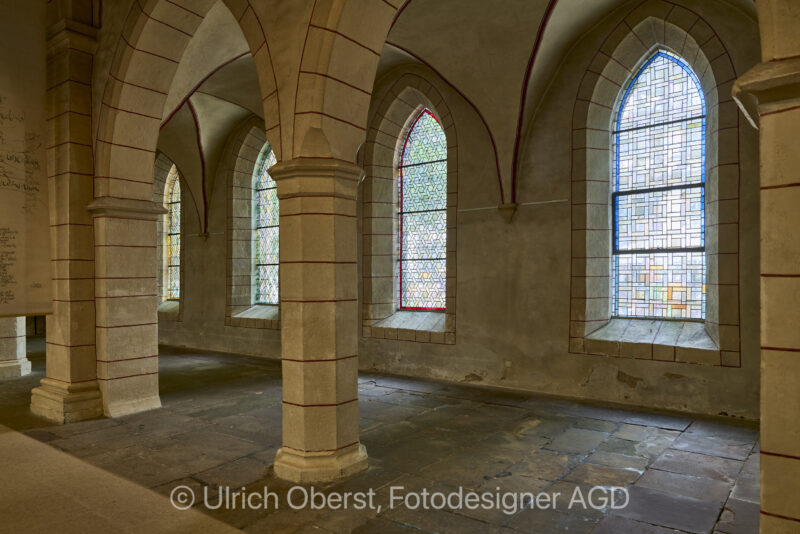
{"points": [[524, 93]]}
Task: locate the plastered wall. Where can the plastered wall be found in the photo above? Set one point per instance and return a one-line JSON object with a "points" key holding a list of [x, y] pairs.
{"points": [[513, 282]]}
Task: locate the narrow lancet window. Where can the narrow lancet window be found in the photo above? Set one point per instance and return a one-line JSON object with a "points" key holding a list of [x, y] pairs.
{"points": [[172, 236], [422, 199], [265, 231], [658, 193]]}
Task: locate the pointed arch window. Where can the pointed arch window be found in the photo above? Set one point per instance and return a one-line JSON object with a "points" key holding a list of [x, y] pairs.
{"points": [[422, 213], [172, 236], [658, 193], [265, 231]]}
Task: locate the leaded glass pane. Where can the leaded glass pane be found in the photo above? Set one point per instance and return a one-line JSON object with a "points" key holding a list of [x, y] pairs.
{"points": [[424, 284], [666, 285], [267, 277], [423, 216], [173, 282], [425, 235], [425, 142], [420, 192], [664, 90], [663, 155], [266, 237], [660, 219], [659, 194], [267, 245], [172, 236]]}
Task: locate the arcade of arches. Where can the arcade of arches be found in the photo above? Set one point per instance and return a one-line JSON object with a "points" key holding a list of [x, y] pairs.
{"points": [[506, 246]]}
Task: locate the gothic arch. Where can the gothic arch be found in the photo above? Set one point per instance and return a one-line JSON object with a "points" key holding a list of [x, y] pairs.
{"points": [[337, 71], [154, 36], [161, 170], [651, 25], [240, 158], [392, 117]]}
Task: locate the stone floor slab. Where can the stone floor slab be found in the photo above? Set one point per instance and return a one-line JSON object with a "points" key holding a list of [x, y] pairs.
{"points": [[577, 440], [221, 424], [702, 465], [670, 511], [739, 517], [724, 447], [700, 488]]}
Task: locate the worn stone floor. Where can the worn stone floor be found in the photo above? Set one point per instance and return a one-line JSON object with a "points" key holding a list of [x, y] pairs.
{"points": [[220, 426]]}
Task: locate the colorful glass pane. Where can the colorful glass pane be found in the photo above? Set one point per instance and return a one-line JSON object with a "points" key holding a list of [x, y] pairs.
{"points": [[423, 216], [660, 219], [659, 193], [266, 238], [172, 236]]}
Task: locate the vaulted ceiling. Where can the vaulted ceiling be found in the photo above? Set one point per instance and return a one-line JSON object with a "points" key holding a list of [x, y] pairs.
{"points": [[484, 49]]}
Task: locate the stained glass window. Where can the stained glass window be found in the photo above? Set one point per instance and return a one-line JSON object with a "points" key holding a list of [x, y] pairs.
{"points": [[423, 216], [172, 236], [659, 265], [265, 231]]}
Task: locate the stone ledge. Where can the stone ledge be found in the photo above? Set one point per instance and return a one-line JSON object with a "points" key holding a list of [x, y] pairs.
{"points": [[418, 326], [653, 339], [169, 310], [263, 316]]}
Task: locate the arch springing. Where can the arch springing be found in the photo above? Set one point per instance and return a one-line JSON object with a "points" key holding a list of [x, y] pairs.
{"points": [[422, 212], [658, 193], [266, 232]]}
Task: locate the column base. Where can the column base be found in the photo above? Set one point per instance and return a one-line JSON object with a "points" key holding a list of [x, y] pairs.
{"points": [[14, 368], [118, 409], [302, 467], [66, 403]]}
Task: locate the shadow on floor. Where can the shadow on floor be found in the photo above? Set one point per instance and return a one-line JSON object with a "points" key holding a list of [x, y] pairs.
{"points": [[220, 426]]}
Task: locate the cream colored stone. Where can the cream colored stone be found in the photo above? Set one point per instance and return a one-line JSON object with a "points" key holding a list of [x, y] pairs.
{"points": [[13, 357], [304, 469], [61, 402], [780, 485]]}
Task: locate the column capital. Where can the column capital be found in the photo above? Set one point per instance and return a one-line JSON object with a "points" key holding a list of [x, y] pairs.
{"points": [[122, 207], [768, 87], [316, 177], [69, 34]]}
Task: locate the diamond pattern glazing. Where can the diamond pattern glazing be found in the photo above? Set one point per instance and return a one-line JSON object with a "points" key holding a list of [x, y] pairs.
{"points": [[266, 242], [423, 216]]}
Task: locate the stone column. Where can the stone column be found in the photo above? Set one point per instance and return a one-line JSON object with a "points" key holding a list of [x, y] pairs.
{"points": [[127, 303], [319, 314], [770, 94], [13, 359], [70, 392]]}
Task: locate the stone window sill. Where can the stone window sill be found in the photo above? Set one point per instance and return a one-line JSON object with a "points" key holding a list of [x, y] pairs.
{"points": [[652, 339], [169, 310], [407, 325], [257, 316]]}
